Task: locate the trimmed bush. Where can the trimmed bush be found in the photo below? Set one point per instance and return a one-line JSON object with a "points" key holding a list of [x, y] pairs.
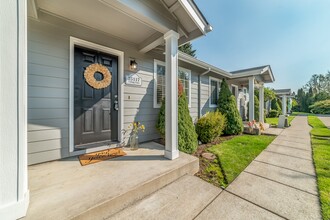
{"points": [[227, 106], [321, 107], [210, 126], [187, 137], [273, 114], [256, 108], [275, 106]]}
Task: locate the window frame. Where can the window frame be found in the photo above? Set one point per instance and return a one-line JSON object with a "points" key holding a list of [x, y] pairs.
{"points": [[161, 63], [210, 92], [236, 90]]}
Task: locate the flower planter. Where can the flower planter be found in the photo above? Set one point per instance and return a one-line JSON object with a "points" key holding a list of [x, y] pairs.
{"points": [[253, 131]]}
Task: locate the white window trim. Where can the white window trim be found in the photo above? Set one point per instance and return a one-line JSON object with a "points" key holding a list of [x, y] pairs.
{"points": [[217, 80], [236, 89], [158, 62], [189, 85], [120, 54]]}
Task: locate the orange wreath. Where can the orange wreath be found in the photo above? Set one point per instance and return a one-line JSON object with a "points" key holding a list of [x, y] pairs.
{"points": [[90, 79]]}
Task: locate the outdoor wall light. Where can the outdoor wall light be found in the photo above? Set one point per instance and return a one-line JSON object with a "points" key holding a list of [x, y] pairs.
{"points": [[133, 65]]}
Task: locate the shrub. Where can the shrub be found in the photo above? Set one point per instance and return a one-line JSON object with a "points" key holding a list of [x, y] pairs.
{"points": [[227, 106], [256, 109], [273, 114], [321, 107], [275, 106], [210, 126], [187, 137]]}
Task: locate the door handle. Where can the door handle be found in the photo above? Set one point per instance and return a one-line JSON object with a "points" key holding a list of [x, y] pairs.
{"points": [[115, 103]]}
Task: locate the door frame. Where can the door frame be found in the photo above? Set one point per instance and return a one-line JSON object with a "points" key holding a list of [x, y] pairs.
{"points": [[120, 54]]}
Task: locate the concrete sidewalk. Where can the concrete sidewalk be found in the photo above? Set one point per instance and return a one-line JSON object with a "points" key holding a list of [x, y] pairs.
{"points": [[279, 184], [325, 120]]}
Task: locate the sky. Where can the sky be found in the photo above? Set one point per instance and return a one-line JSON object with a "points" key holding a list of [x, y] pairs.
{"points": [[293, 36]]}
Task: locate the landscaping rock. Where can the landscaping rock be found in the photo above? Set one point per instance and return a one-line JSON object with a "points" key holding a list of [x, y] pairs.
{"points": [[209, 156]]}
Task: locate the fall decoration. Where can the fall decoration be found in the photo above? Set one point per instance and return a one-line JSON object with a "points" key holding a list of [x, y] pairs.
{"points": [[90, 79]]}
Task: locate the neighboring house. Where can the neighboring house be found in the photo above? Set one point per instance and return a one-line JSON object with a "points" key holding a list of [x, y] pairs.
{"points": [[286, 96], [51, 112]]}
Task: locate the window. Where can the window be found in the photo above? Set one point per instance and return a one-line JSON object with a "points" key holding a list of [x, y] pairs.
{"points": [[214, 92], [234, 90], [184, 76]]}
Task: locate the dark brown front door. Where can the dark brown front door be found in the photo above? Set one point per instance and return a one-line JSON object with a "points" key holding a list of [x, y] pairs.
{"points": [[95, 110]]}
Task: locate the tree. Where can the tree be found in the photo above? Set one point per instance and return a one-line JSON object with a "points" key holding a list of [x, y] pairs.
{"points": [[227, 106], [276, 106], [256, 108], [269, 94], [188, 49], [187, 137]]}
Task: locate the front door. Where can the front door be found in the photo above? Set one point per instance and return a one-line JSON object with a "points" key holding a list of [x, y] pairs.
{"points": [[95, 110]]}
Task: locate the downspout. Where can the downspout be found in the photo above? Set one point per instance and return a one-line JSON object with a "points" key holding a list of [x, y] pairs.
{"points": [[199, 91]]}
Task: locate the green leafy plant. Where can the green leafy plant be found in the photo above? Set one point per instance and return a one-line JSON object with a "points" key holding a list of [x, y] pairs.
{"points": [[210, 126], [321, 107], [227, 106], [273, 113], [275, 106], [187, 137]]}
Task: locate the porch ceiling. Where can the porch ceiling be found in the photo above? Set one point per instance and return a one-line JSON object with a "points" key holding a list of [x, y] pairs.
{"points": [[99, 16], [142, 23]]}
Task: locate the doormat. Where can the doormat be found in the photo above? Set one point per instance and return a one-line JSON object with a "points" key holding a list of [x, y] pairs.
{"points": [[102, 155]]}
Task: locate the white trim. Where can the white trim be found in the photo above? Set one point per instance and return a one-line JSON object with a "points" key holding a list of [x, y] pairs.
{"points": [[194, 16], [236, 89], [219, 81], [17, 209], [161, 63], [189, 85], [120, 54]]}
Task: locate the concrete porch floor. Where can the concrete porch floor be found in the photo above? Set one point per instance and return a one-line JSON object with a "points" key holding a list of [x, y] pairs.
{"points": [[64, 189]]}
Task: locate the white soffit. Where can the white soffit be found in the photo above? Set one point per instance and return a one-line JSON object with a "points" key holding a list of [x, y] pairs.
{"points": [[98, 16]]}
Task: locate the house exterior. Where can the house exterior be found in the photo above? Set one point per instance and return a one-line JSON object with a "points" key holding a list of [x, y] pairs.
{"points": [[286, 96], [55, 113]]}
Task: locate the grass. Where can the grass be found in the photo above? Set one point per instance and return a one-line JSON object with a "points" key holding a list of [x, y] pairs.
{"points": [[274, 121], [321, 156], [234, 155], [315, 122], [301, 113]]}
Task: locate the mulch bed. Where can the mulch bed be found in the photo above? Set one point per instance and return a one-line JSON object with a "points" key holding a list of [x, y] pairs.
{"points": [[204, 163]]}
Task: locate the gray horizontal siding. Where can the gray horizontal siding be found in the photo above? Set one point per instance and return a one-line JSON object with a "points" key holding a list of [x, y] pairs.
{"points": [[48, 87]]}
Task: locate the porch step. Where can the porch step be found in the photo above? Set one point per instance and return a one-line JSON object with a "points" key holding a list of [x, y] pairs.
{"points": [[183, 199], [66, 190]]}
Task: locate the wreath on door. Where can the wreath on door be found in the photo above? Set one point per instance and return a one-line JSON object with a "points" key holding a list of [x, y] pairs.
{"points": [[90, 78]]}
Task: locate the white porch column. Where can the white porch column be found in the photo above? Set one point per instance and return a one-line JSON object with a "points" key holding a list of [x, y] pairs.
{"points": [[171, 92], [284, 105], [251, 98], [261, 103], [14, 194]]}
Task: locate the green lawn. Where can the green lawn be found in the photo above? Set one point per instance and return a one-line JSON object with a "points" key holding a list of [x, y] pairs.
{"points": [[234, 155], [301, 113], [321, 155], [274, 121]]}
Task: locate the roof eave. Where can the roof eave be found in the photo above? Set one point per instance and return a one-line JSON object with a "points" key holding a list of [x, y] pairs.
{"points": [[196, 15]]}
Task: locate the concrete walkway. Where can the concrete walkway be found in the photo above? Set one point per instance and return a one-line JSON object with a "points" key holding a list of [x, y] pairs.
{"points": [[279, 184], [325, 120]]}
